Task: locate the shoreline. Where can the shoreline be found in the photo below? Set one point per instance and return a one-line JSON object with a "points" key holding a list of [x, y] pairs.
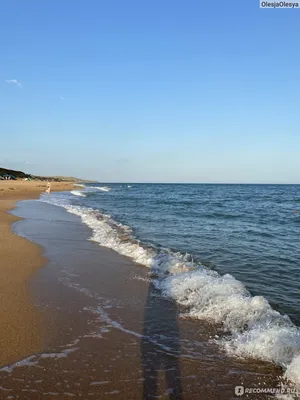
{"points": [[104, 314], [21, 323]]}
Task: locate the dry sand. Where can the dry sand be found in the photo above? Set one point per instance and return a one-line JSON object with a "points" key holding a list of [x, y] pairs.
{"points": [[21, 325]]}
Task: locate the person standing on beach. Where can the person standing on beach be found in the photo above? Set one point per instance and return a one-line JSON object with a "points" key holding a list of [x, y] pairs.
{"points": [[48, 190]]}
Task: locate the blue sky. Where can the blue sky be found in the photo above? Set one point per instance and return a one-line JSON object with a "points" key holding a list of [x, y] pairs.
{"points": [[158, 91]]}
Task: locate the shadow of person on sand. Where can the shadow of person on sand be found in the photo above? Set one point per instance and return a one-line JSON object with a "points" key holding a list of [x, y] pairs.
{"points": [[160, 346]]}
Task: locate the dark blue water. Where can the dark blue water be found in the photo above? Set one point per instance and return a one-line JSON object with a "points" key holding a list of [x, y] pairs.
{"points": [[249, 231]]}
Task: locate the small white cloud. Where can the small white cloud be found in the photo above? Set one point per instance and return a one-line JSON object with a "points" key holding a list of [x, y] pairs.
{"points": [[14, 82], [62, 98]]}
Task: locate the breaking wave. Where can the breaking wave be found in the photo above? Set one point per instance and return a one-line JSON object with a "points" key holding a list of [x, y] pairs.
{"points": [[103, 188], [78, 193]]}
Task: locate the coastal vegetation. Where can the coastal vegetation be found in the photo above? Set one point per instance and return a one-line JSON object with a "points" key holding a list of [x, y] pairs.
{"points": [[12, 174]]}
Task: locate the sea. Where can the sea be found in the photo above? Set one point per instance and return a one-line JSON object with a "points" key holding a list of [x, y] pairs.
{"points": [[229, 254]]}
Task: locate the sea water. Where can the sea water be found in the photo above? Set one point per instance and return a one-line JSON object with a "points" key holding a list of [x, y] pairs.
{"points": [[228, 253]]}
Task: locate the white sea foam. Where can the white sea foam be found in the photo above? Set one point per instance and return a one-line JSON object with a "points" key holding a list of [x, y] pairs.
{"points": [[256, 330], [293, 371], [33, 361], [61, 354], [28, 362], [116, 236], [103, 188], [79, 185], [78, 193]]}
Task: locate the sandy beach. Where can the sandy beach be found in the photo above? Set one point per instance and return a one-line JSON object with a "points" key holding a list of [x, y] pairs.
{"points": [[21, 326]]}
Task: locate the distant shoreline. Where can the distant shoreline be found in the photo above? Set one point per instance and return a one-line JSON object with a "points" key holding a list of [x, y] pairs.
{"points": [[20, 175]]}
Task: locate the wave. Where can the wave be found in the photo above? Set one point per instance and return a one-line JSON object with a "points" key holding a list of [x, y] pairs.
{"points": [[77, 193], [79, 185], [33, 361], [256, 330], [253, 328], [103, 188]]}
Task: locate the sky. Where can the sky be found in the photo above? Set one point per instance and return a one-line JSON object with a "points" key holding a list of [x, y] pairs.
{"points": [[150, 91]]}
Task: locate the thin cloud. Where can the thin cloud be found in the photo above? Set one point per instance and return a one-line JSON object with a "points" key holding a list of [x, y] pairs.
{"points": [[13, 82], [62, 98]]}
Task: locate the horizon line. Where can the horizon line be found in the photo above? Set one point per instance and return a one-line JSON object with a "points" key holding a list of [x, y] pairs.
{"points": [[189, 183]]}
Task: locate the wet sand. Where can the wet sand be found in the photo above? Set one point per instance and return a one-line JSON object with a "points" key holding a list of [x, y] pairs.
{"points": [[109, 333], [21, 327]]}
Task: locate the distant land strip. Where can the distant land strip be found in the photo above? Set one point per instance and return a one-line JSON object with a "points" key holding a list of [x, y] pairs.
{"points": [[22, 175]]}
